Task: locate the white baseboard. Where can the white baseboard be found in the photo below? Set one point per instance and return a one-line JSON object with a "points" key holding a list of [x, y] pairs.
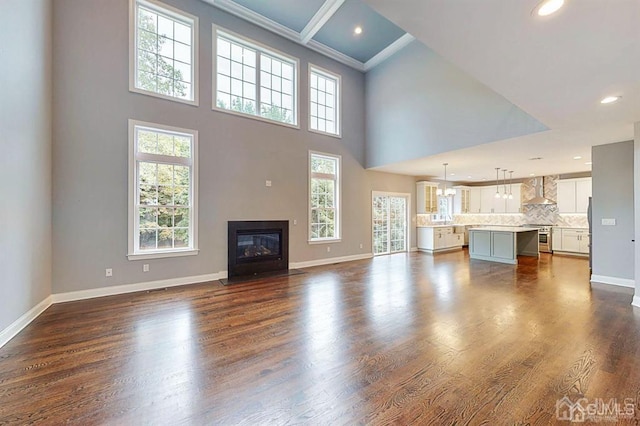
{"points": [[412, 249], [620, 282], [17, 326], [636, 301], [329, 261], [131, 288]]}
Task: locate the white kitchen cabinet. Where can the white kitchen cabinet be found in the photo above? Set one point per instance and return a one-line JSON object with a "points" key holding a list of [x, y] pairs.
{"points": [[487, 194], [433, 239], [474, 199], [556, 239], [573, 241], [573, 195], [426, 197], [461, 200], [515, 205], [583, 192]]}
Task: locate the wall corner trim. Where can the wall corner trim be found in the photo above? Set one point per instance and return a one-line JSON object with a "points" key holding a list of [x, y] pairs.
{"points": [[18, 325], [131, 288], [620, 282], [636, 301], [329, 261]]}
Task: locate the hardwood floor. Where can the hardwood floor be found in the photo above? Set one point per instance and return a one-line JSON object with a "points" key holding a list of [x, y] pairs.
{"points": [[404, 339]]}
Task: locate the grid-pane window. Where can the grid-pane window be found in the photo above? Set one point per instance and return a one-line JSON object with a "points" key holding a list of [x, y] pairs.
{"points": [[254, 81], [165, 51], [324, 200], [163, 192], [324, 101]]}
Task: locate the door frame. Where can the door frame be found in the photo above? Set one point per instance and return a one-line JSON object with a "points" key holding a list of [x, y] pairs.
{"points": [[405, 195]]}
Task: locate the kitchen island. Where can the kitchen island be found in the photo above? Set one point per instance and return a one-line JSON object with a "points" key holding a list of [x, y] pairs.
{"points": [[502, 244]]}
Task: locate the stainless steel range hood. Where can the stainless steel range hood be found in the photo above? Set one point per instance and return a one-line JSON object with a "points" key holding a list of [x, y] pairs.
{"points": [[539, 199]]}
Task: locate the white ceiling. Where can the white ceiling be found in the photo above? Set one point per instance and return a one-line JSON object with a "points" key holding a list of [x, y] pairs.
{"points": [[555, 68]]}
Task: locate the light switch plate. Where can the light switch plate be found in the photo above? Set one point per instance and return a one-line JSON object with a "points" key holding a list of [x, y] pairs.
{"points": [[267, 183], [608, 222]]}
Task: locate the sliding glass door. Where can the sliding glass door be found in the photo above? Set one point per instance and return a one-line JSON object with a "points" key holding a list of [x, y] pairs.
{"points": [[390, 230]]}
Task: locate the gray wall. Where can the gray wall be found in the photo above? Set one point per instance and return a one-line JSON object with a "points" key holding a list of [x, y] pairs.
{"points": [[92, 105], [25, 164], [612, 198], [636, 204], [418, 105]]}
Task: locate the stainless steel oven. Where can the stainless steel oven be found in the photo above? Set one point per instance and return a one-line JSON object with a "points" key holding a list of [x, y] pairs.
{"points": [[544, 237]]}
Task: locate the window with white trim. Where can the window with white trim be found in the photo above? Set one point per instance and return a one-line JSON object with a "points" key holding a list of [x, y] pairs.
{"points": [[324, 197], [164, 51], [324, 101], [254, 80], [163, 190]]}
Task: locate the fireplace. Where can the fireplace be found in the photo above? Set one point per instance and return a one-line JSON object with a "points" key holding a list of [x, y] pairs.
{"points": [[257, 246]]}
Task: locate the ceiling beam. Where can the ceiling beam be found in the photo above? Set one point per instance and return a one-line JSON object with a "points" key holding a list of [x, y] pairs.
{"points": [[321, 17], [389, 51]]}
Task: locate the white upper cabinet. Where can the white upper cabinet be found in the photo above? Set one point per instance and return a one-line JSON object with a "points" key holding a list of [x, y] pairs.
{"points": [[573, 195], [461, 200], [514, 205], [426, 197], [474, 200]]}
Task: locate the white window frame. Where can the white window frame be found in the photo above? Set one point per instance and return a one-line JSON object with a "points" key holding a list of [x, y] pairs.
{"points": [[178, 15], [134, 253], [337, 196], [338, 99], [260, 49]]}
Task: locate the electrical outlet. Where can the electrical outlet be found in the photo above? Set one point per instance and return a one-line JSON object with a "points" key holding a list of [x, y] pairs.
{"points": [[108, 272], [295, 221], [361, 246], [267, 183], [608, 222], [145, 267], [328, 249]]}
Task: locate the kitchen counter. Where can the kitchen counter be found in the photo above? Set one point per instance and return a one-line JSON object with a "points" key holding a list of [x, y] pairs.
{"points": [[503, 229], [503, 244]]}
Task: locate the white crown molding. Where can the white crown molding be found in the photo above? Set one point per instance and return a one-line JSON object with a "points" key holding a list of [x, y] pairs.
{"points": [[329, 261], [266, 23], [318, 20], [18, 325], [255, 18], [389, 51], [335, 55], [620, 282]]}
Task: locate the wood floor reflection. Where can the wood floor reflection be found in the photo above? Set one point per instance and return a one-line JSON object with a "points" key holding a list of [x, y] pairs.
{"points": [[404, 339]]}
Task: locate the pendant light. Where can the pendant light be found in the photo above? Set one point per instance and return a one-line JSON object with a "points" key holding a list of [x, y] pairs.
{"points": [[445, 191], [504, 181], [510, 179], [497, 183]]}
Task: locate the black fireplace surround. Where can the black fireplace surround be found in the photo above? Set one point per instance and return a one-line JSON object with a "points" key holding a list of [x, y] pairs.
{"points": [[257, 246]]}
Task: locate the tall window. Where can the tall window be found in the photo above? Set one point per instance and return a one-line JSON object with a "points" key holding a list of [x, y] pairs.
{"points": [[164, 51], [324, 101], [253, 80], [163, 190], [324, 202]]}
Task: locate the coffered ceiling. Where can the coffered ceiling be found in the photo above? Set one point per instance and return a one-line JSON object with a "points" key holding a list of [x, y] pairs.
{"points": [[555, 68]]}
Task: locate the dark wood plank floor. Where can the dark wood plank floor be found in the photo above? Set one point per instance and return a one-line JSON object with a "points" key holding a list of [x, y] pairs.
{"points": [[404, 339]]}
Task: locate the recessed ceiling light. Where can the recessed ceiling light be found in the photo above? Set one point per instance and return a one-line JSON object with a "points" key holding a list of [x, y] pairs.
{"points": [[357, 30], [588, 163], [610, 99], [532, 174], [452, 174], [577, 157], [548, 7], [468, 177]]}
